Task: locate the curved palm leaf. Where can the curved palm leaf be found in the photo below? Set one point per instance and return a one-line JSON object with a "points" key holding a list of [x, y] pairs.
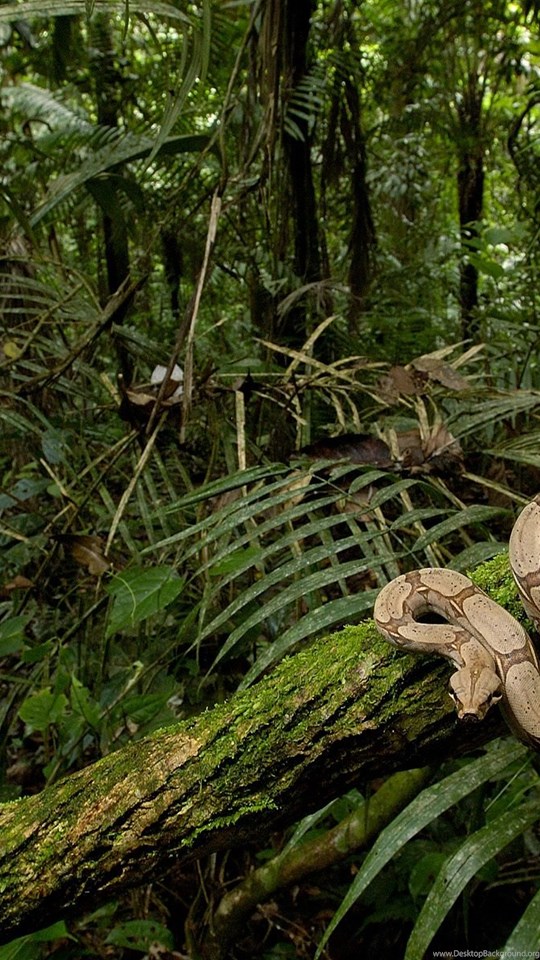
{"points": [[421, 811], [36, 9], [461, 866]]}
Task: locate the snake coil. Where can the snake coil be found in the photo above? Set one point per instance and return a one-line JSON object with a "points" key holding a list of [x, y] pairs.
{"points": [[495, 657]]}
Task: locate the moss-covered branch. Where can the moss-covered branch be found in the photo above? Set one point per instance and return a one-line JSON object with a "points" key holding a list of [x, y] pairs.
{"points": [[336, 714]]}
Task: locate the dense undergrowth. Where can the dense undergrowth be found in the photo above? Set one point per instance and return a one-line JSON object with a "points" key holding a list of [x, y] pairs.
{"points": [[227, 422], [145, 578]]}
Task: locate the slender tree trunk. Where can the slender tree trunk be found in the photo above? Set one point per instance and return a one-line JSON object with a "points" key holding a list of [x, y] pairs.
{"points": [[307, 263], [283, 48], [362, 240], [107, 83], [470, 185]]}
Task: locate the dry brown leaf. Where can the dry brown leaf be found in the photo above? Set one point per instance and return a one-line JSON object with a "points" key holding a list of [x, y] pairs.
{"points": [[410, 448], [87, 551], [400, 382], [439, 452], [18, 583], [354, 447], [443, 451], [440, 371]]}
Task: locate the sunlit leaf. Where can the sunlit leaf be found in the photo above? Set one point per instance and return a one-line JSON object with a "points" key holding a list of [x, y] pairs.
{"points": [[139, 593], [42, 709]]}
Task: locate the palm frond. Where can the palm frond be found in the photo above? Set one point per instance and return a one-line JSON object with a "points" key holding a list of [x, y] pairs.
{"points": [[421, 811], [36, 9]]}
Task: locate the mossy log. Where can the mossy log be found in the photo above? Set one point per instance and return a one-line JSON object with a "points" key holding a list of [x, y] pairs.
{"points": [[336, 714]]}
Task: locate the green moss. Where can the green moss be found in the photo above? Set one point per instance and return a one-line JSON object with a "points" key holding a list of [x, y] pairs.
{"points": [[495, 577], [218, 823]]}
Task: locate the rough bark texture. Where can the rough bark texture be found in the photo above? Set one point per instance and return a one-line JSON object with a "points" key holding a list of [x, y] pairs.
{"points": [[338, 713]]}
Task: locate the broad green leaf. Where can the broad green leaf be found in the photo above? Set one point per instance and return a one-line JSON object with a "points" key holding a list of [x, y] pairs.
{"points": [[139, 593], [24, 948], [424, 808], [495, 235], [55, 445], [488, 266], [37, 653], [140, 935], [424, 872], [12, 635], [461, 866], [28, 947], [28, 487], [143, 707], [42, 709], [236, 561]]}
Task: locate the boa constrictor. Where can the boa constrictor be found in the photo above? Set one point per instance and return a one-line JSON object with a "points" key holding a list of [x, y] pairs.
{"points": [[493, 653]]}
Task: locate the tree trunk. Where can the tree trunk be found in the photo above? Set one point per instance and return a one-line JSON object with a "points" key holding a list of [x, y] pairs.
{"points": [[283, 50], [108, 86], [344, 710], [470, 183], [362, 239]]}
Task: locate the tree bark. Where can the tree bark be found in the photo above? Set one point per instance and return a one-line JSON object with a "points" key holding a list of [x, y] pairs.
{"points": [[108, 92], [344, 710], [470, 184], [283, 51]]}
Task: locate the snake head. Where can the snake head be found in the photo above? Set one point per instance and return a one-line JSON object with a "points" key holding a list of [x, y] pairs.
{"points": [[474, 690]]}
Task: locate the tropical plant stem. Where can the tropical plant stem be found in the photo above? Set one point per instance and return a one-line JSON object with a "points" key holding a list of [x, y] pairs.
{"points": [[354, 832]]}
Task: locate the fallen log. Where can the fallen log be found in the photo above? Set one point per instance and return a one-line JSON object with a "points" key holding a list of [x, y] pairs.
{"points": [[338, 713]]}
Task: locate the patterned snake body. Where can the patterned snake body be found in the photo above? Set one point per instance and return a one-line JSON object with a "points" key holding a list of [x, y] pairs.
{"points": [[495, 657]]}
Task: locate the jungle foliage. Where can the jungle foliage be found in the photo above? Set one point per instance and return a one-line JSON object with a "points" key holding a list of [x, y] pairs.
{"points": [[269, 336]]}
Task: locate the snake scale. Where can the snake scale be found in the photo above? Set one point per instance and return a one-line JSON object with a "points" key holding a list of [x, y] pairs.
{"points": [[494, 655]]}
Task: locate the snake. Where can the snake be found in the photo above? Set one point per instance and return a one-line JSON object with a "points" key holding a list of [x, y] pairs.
{"points": [[495, 658]]}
